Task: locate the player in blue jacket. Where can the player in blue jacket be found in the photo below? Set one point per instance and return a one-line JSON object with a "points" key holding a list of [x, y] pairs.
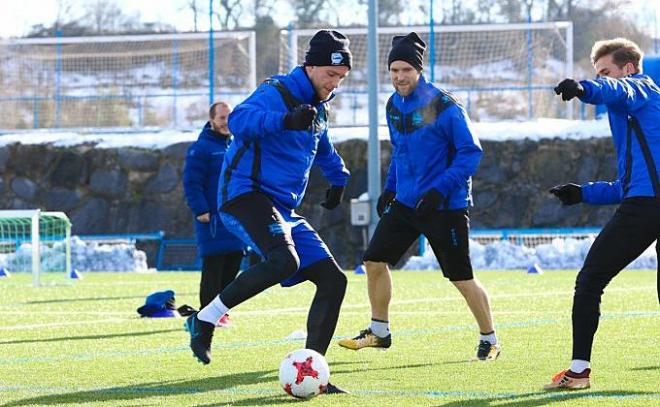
{"points": [[280, 132], [633, 105], [427, 192], [220, 250]]}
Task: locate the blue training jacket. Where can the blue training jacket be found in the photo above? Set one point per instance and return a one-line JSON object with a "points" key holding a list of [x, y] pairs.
{"points": [[633, 106], [433, 146], [268, 158], [200, 185]]}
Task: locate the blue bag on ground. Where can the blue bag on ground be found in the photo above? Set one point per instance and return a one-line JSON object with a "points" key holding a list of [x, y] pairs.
{"points": [[158, 304]]}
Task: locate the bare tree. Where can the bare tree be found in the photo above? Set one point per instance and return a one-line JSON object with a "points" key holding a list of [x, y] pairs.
{"points": [[230, 14], [308, 12], [485, 10], [63, 13], [105, 16], [264, 8], [195, 8], [389, 11], [511, 10]]}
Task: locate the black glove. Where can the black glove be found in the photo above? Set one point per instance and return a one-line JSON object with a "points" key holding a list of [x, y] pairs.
{"points": [[429, 202], [568, 89], [384, 200], [568, 194], [333, 197], [301, 118]]}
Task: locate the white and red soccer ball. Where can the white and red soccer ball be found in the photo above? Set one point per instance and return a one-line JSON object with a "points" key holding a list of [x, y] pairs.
{"points": [[304, 373]]}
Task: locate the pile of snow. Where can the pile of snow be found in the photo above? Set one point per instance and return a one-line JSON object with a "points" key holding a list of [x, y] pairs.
{"points": [[95, 256], [559, 254], [85, 256], [158, 139], [534, 130]]}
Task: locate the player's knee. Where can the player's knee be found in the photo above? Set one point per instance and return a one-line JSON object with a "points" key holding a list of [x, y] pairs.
{"points": [[465, 285], [375, 268], [339, 281], [333, 286], [587, 284], [284, 261], [331, 275]]}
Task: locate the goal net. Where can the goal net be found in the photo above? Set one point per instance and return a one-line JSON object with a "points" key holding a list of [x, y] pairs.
{"points": [[35, 241], [160, 80], [498, 71]]}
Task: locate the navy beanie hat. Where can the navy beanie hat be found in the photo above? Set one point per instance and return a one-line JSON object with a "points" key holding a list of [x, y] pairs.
{"points": [[409, 48], [328, 48]]}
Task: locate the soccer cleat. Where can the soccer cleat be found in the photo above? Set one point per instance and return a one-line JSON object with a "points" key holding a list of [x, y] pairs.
{"points": [[569, 380], [224, 322], [201, 335], [366, 339], [332, 389], [488, 351]]}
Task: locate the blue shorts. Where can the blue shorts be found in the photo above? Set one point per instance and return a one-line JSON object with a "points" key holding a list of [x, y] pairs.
{"points": [[260, 224]]}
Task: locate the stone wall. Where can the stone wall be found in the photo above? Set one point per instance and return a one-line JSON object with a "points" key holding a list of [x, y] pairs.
{"points": [[130, 190]]}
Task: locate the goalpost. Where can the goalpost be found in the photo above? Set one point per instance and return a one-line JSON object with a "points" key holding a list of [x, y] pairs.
{"points": [[35, 241], [161, 80], [498, 71]]}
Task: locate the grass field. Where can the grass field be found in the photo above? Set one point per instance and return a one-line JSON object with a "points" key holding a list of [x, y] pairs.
{"points": [[83, 344]]}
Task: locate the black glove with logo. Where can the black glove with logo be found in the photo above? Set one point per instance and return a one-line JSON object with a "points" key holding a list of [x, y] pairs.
{"points": [[384, 200], [333, 197], [568, 89], [568, 194], [429, 202], [301, 118]]}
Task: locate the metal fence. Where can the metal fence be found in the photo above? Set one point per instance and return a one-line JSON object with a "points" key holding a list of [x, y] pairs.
{"points": [[122, 81], [498, 71]]}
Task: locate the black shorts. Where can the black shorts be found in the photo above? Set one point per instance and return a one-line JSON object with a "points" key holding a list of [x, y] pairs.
{"points": [[446, 231]]}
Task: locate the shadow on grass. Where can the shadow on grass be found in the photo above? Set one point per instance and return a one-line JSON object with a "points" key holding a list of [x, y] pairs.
{"points": [[227, 382], [130, 297], [256, 401], [460, 362], [372, 369], [547, 398], [88, 337], [143, 391], [646, 368]]}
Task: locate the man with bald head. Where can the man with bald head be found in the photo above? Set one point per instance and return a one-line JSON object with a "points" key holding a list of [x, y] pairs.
{"points": [[220, 250]]}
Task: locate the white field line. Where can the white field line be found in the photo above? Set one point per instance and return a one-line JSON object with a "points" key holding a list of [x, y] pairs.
{"points": [[298, 310], [62, 324], [92, 313]]}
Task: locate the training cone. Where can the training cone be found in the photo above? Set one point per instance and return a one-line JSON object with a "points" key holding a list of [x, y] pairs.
{"points": [[4, 272], [360, 269], [534, 269], [75, 274]]}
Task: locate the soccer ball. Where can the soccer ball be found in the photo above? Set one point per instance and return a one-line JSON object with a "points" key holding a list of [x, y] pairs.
{"points": [[304, 373]]}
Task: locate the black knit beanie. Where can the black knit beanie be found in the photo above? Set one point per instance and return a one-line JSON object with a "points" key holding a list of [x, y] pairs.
{"points": [[328, 48], [409, 48]]}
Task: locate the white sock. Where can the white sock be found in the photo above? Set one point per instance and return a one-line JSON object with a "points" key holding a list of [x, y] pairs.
{"points": [[578, 366], [380, 328], [489, 337], [212, 312]]}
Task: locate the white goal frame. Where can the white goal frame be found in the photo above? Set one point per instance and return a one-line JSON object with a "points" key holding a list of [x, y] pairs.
{"points": [[35, 239]]}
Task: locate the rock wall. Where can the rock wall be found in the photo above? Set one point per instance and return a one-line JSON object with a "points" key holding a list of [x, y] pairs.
{"points": [[130, 190]]}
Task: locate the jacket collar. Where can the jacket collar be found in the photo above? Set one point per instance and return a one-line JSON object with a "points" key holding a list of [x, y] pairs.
{"points": [[420, 90], [301, 87], [208, 133]]}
